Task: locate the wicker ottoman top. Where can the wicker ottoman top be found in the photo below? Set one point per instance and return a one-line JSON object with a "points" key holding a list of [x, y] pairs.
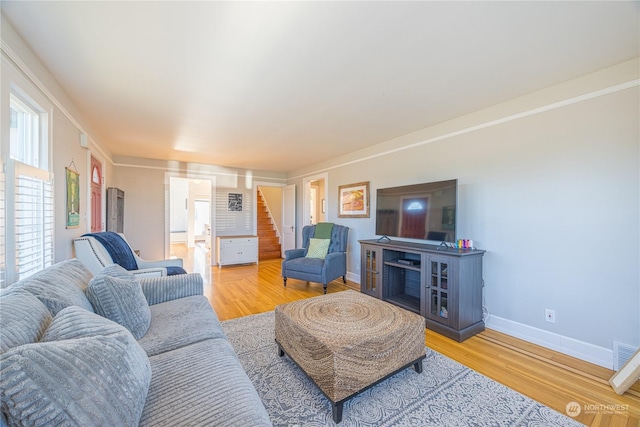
{"points": [[347, 341]]}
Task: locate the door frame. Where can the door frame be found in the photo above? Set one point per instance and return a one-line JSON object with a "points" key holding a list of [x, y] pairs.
{"points": [[99, 186], [294, 226], [103, 195], [306, 196]]}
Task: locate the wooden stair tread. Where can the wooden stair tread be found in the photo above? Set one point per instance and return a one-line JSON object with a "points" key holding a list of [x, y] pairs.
{"points": [[268, 242]]}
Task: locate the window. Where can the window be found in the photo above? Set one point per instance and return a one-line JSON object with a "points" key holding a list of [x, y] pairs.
{"points": [[28, 202], [24, 132], [415, 206]]}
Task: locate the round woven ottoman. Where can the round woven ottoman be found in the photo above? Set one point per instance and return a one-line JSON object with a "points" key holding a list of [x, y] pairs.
{"points": [[347, 342]]}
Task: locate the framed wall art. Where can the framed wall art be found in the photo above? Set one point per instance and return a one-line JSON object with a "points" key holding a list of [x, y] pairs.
{"points": [[235, 202], [353, 200], [73, 198]]}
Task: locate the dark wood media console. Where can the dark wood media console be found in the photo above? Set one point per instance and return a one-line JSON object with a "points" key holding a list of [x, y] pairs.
{"points": [[444, 285]]}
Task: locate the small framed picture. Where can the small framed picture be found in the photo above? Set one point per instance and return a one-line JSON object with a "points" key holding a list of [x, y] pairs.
{"points": [[235, 202], [354, 200]]}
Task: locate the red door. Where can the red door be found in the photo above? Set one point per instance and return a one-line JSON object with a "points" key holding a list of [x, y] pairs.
{"points": [[414, 217], [96, 195]]}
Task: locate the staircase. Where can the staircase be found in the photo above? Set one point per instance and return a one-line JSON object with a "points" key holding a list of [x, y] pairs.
{"points": [[268, 241]]}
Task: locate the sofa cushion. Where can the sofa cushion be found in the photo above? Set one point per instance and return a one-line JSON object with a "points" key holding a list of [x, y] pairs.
{"points": [[59, 286], [98, 377], [318, 248], [23, 318], [202, 384], [180, 322], [162, 289], [122, 301], [306, 265]]}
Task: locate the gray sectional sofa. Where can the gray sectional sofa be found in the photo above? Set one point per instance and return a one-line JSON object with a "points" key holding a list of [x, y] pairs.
{"points": [[113, 350]]}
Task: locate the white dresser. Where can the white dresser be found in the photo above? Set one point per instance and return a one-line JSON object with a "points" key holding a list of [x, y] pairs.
{"points": [[236, 250]]}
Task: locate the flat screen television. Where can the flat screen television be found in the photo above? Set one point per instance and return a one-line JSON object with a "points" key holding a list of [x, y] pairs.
{"points": [[424, 211]]}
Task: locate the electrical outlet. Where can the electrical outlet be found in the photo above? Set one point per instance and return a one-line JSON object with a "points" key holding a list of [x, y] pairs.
{"points": [[550, 315]]}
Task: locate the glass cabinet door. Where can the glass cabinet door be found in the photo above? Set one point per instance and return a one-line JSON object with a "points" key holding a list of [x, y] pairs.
{"points": [[439, 290], [371, 271]]}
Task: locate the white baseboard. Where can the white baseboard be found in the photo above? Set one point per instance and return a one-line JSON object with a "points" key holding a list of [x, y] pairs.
{"points": [[353, 277], [579, 349]]}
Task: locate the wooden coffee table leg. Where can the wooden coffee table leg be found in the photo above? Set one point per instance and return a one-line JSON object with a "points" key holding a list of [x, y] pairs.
{"points": [[336, 409]]}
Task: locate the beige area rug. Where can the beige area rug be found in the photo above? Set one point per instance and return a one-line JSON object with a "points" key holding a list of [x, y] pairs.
{"points": [[446, 393]]}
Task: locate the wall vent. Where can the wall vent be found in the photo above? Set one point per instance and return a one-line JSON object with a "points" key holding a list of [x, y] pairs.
{"points": [[621, 353]]}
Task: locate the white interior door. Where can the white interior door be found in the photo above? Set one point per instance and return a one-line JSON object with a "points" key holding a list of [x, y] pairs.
{"points": [[288, 218]]}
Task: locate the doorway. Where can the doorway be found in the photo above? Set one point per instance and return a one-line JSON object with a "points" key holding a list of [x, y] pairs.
{"points": [[279, 201], [190, 210], [315, 200], [202, 216]]}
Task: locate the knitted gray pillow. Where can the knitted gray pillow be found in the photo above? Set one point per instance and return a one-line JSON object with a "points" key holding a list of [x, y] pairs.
{"points": [[99, 376], [116, 270], [59, 286], [23, 319], [122, 301]]}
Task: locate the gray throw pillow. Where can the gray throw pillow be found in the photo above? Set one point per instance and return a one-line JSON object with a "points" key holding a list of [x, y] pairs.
{"points": [[59, 286], [23, 319], [116, 270], [92, 379], [122, 301]]}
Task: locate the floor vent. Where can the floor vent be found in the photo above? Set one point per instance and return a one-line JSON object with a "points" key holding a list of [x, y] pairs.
{"points": [[621, 353]]}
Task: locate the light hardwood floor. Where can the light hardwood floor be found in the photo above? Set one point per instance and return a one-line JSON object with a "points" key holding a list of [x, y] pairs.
{"points": [[552, 378]]}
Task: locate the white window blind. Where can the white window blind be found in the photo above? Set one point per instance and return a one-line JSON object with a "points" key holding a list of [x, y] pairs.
{"points": [[33, 216]]}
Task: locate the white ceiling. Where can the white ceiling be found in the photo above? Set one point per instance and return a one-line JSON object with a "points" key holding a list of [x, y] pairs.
{"points": [[281, 85]]}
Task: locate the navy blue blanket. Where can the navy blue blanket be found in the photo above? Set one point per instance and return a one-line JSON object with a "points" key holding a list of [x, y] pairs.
{"points": [[173, 270], [119, 250], [121, 253]]}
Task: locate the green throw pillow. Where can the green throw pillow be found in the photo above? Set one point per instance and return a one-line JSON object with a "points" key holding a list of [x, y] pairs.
{"points": [[318, 248]]}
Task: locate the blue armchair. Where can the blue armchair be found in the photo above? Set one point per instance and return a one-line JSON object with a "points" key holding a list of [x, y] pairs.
{"points": [[297, 265]]}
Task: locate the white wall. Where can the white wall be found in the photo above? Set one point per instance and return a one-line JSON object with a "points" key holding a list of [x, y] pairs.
{"points": [[549, 187]]}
